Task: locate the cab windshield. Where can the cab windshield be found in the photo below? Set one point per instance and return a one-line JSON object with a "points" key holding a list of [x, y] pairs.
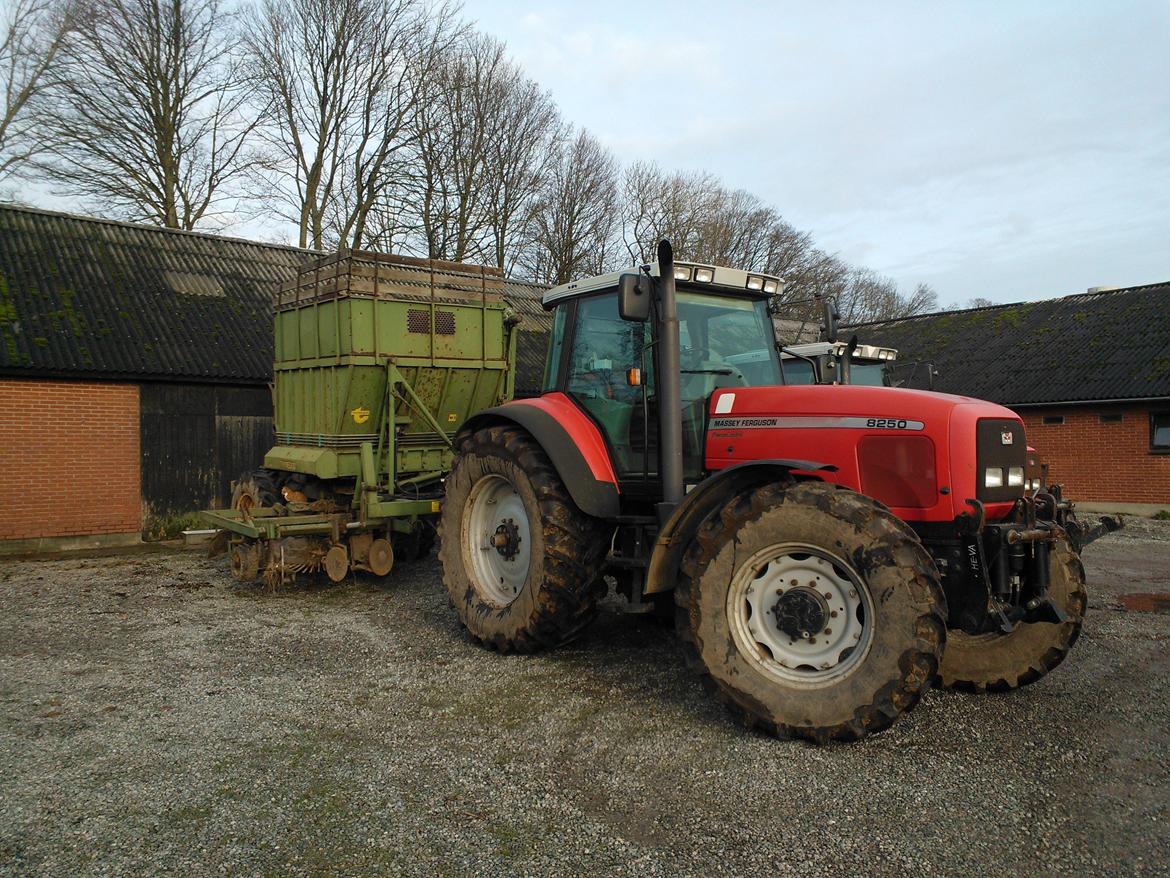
{"points": [[729, 340], [869, 374]]}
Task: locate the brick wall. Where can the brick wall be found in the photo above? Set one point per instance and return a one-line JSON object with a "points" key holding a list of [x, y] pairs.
{"points": [[1102, 462], [69, 459]]}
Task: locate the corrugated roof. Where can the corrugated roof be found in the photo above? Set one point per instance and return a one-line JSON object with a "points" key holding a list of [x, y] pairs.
{"points": [[88, 297], [83, 296], [1093, 346], [532, 342]]}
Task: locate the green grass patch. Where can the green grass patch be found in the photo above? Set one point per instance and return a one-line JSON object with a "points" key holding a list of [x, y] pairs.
{"points": [[170, 527]]}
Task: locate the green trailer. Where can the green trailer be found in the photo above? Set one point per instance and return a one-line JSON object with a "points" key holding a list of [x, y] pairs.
{"points": [[378, 361]]}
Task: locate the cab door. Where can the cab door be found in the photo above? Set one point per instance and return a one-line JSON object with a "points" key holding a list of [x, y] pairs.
{"points": [[602, 351]]}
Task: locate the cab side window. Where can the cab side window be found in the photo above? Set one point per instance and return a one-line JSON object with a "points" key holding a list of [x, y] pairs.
{"points": [[604, 348]]}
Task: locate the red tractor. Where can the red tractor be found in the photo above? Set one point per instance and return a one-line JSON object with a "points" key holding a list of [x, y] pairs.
{"points": [[831, 550]]}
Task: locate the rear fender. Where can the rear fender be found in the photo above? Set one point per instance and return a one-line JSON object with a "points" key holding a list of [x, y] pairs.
{"points": [[571, 441], [707, 497]]}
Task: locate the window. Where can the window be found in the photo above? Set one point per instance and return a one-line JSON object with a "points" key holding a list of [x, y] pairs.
{"points": [[1160, 432], [1112, 419], [1054, 419], [556, 342], [603, 350]]}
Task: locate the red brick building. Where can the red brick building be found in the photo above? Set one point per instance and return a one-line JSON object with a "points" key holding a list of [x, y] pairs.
{"points": [[1089, 374], [42, 426]]}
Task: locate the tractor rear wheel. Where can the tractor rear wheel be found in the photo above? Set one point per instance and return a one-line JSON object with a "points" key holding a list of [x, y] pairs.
{"points": [[814, 611], [521, 562], [999, 662], [260, 487]]}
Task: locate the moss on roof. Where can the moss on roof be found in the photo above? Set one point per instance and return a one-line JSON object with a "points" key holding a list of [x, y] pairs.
{"points": [[1112, 344]]}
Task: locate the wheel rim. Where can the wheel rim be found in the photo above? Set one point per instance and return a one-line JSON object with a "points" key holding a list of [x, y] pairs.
{"points": [[497, 541], [800, 615]]}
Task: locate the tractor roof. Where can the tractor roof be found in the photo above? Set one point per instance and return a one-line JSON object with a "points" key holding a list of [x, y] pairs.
{"points": [[690, 276]]}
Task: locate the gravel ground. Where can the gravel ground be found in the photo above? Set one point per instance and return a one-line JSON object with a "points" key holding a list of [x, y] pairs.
{"points": [[159, 719]]}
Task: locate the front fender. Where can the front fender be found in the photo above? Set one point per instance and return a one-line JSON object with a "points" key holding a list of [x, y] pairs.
{"points": [[571, 441], [705, 498]]}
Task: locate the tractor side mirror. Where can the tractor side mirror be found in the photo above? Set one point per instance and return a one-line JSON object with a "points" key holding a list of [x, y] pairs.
{"points": [[829, 318], [634, 297]]}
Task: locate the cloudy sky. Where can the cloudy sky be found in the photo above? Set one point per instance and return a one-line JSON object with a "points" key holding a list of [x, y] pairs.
{"points": [[1010, 150]]}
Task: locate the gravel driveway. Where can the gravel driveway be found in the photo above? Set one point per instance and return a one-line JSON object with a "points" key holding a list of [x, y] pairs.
{"points": [[159, 719]]}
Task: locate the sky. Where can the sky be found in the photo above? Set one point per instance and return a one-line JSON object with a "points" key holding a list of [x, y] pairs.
{"points": [[1000, 150], [1004, 150]]}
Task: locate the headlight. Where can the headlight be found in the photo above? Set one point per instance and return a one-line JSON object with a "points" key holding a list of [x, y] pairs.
{"points": [[682, 272], [1015, 475], [993, 478], [770, 286], [755, 283], [704, 275]]}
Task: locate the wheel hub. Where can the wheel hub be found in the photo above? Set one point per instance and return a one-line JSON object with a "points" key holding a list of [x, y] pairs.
{"points": [[507, 539], [497, 540], [801, 612]]}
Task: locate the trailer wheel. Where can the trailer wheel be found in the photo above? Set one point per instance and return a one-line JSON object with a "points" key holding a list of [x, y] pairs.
{"points": [[521, 562], [999, 662], [260, 487], [813, 611], [245, 560]]}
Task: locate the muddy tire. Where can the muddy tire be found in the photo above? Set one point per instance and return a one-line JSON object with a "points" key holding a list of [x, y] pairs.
{"points": [[999, 662], [260, 487], [521, 563], [812, 611]]}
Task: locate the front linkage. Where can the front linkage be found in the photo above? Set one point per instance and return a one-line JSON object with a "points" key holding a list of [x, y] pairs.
{"points": [[996, 575]]}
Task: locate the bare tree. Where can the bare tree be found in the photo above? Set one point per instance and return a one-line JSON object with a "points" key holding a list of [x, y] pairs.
{"points": [[455, 130], [343, 80], [145, 114], [657, 205], [30, 40], [483, 141], [577, 217], [520, 154], [979, 302]]}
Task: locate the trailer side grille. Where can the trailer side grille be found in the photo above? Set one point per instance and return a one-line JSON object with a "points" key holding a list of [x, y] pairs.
{"points": [[444, 323], [322, 440], [418, 321]]}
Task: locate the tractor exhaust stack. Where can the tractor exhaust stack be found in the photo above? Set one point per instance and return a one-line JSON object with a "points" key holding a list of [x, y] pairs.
{"points": [[669, 388]]}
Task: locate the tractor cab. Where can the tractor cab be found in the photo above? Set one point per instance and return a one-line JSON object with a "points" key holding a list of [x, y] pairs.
{"points": [[605, 363]]}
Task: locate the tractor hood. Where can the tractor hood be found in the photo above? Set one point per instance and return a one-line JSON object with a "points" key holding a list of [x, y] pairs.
{"points": [[897, 445]]}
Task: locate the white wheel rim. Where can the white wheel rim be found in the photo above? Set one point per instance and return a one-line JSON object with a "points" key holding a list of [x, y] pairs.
{"points": [[783, 579], [497, 540]]}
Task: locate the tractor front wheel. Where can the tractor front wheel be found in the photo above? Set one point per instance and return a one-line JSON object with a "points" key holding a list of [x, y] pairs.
{"points": [[998, 662], [814, 612], [521, 562]]}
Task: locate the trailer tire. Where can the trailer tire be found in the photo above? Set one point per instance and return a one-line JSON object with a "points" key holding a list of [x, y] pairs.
{"points": [[555, 597], [1000, 662], [260, 487], [753, 623]]}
